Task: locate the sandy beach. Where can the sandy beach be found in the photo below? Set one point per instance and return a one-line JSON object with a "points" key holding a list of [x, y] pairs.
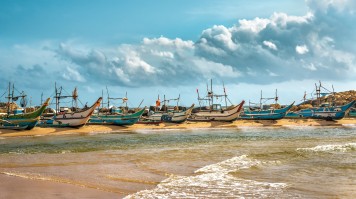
{"points": [[37, 131], [109, 172]]}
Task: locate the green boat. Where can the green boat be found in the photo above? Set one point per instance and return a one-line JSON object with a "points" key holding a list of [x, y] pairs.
{"points": [[20, 121]]}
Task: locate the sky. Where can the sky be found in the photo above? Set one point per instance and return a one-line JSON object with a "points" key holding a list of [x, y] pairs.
{"points": [[171, 48]]}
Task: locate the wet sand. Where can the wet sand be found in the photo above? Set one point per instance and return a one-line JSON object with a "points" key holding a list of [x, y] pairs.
{"points": [[16, 187], [130, 173]]}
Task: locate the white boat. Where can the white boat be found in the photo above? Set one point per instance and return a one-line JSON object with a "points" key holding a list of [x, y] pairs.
{"points": [[165, 115], [218, 114], [215, 112], [66, 118]]}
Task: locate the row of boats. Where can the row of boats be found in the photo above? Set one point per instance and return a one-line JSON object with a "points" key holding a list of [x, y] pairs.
{"points": [[64, 117]]}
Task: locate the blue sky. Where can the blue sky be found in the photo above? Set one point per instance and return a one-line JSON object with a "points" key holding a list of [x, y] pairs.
{"points": [[173, 47]]}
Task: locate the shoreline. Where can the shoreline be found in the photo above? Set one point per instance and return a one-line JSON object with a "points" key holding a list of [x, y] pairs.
{"points": [[87, 129]]}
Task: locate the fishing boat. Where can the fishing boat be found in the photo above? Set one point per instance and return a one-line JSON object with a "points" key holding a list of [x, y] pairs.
{"points": [[120, 120], [65, 118], [20, 121], [165, 114], [263, 114], [214, 111], [116, 116], [271, 114], [326, 110]]}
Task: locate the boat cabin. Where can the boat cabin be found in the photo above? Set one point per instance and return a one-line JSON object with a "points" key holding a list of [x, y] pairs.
{"points": [[216, 107]]}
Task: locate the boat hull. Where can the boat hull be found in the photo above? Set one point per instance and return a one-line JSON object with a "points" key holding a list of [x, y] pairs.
{"points": [[26, 121], [120, 120], [76, 119], [171, 117], [327, 113], [225, 115], [275, 114]]}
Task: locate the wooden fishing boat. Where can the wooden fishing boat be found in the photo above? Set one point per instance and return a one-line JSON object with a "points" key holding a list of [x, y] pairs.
{"points": [[120, 120], [215, 112], [218, 114], [21, 121], [171, 116], [324, 111], [114, 116], [68, 119], [265, 114], [272, 114]]}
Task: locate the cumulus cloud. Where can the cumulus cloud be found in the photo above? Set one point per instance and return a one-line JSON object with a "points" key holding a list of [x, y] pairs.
{"points": [[270, 45], [282, 47], [322, 36], [73, 75], [301, 49]]}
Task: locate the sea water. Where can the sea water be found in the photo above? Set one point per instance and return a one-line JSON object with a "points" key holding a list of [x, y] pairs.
{"points": [[264, 162]]}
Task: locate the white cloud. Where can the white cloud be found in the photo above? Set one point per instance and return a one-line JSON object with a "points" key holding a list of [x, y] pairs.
{"points": [[165, 54], [253, 26], [163, 41], [301, 49], [133, 63], [282, 19], [270, 45], [211, 69], [72, 75], [339, 5], [261, 51]]}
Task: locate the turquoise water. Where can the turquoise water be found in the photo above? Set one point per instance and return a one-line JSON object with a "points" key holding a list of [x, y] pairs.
{"points": [[283, 162]]}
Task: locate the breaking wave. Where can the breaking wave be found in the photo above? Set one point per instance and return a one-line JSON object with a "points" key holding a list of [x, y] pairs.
{"points": [[215, 181], [331, 148]]}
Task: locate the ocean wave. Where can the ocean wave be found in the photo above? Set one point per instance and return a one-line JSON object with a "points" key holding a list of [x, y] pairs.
{"points": [[331, 148], [214, 181], [230, 165]]}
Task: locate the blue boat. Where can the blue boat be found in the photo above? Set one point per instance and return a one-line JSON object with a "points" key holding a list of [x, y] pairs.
{"points": [[120, 120], [325, 112], [272, 114]]}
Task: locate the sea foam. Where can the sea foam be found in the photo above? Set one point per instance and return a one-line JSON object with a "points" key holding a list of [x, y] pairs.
{"points": [[215, 181], [331, 148]]}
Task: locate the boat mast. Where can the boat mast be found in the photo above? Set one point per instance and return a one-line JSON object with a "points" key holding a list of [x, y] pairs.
{"points": [[107, 91], [57, 97], [225, 95], [75, 97], [8, 100], [318, 93], [126, 101], [102, 96], [212, 94], [41, 98], [199, 99], [164, 102], [261, 101], [207, 90]]}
